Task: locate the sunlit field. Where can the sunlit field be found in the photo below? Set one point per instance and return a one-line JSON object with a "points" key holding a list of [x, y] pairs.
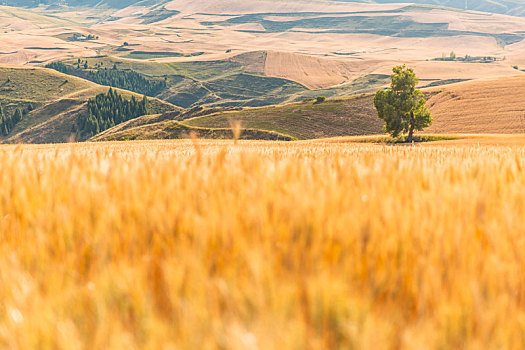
{"points": [[216, 245]]}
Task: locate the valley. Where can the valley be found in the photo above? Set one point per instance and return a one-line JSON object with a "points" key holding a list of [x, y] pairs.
{"points": [[262, 174], [260, 65]]}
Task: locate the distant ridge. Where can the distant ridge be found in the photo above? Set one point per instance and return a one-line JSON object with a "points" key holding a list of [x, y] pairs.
{"points": [[98, 3], [508, 7]]}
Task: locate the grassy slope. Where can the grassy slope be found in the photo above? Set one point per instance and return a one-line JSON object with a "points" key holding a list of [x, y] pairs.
{"points": [[171, 129], [335, 117], [32, 18], [37, 85], [483, 106], [222, 82], [168, 126], [238, 81], [58, 100]]}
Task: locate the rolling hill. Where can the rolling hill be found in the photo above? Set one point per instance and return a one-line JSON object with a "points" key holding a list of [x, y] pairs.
{"points": [[317, 44], [94, 3], [250, 79], [239, 80], [511, 7], [258, 62], [508, 7], [492, 105], [484, 106], [303, 120], [170, 129], [306, 120], [52, 103]]}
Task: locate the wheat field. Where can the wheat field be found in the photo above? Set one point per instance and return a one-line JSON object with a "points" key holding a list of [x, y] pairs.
{"points": [[254, 245]]}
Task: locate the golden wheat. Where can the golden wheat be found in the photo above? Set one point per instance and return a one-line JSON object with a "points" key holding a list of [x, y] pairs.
{"points": [[177, 245]]}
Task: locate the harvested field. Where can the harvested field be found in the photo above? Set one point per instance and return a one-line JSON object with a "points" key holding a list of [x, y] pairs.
{"points": [[312, 72], [483, 106]]}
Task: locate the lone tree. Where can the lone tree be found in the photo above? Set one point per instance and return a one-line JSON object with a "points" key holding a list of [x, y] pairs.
{"points": [[402, 106]]}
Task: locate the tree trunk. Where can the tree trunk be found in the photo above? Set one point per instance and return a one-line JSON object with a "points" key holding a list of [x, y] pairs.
{"points": [[411, 129]]}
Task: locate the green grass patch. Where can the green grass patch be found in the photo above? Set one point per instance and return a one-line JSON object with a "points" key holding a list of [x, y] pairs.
{"points": [[335, 117], [396, 24], [171, 129], [381, 25], [158, 15], [146, 55], [229, 82], [403, 139], [38, 84]]}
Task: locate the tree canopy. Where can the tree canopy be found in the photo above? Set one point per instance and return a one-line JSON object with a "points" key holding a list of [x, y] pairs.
{"points": [[402, 106], [108, 110], [8, 121], [122, 79]]}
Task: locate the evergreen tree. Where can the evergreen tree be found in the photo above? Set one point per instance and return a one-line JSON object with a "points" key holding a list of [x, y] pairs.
{"points": [[8, 122], [3, 124], [110, 109], [17, 116], [123, 79]]}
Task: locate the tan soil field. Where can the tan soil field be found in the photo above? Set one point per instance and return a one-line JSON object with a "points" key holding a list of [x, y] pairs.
{"points": [[266, 6], [469, 21], [312, 58], [310, 71], [484, 106]]}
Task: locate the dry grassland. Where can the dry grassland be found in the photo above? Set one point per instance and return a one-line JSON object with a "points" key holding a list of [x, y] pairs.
{"points": [[167, 245], [492, 105], [312, 72]]}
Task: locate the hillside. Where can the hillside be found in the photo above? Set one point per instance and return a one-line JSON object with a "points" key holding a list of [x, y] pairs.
{"points": [[509, 7], [364, 36], [171, 129], [304, 120], [307, 120], [169, 126], [238, 80], [484, 106], [493, 105], [52, 102], [259, 53], [263, 78], [262, 56], [250, 79], [94, 3]]}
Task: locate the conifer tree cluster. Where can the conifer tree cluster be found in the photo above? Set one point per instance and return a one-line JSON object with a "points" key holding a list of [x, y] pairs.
{"points": [[122, 79], [8, 122], [108, 110]]}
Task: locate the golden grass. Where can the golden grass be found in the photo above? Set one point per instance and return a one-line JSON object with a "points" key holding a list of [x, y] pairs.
{"points": [[492, 105], [170, 245], [312, 72]]}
